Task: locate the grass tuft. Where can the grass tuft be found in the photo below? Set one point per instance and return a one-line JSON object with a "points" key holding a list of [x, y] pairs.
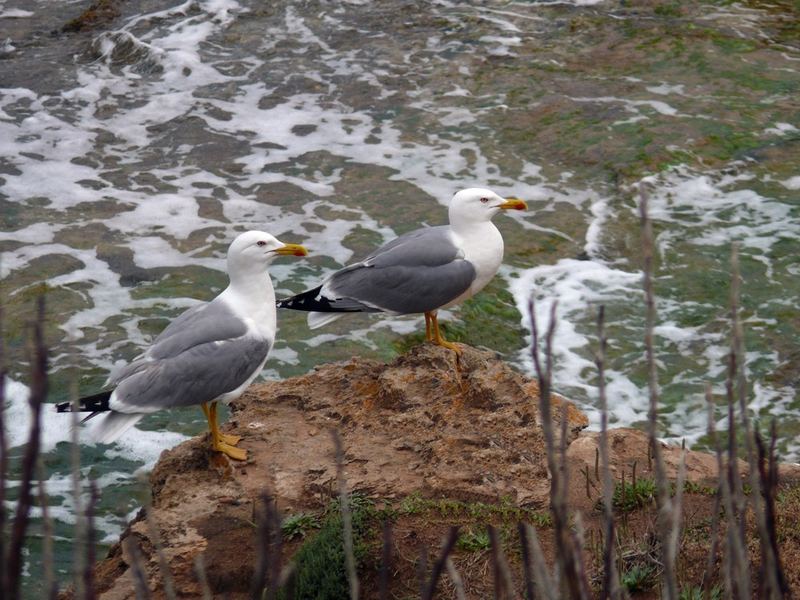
{"points": [[639, 578], [319, 564], [474, 541], [298, 526], [628, 496]]}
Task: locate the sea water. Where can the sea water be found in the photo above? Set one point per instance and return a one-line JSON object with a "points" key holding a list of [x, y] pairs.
{"points": [[132, 153]]}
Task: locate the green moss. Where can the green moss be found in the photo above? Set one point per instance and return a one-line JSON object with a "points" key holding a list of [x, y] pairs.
{"points": [[299, 525], [473, 541], [320, 571], [629, 496], [190, 281], [691, 487], [639, 578], [362, 241], [697, 593], [732, 44], [668, 9], [505, 510]]}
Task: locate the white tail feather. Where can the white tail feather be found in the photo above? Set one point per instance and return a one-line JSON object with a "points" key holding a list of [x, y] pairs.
{"points": [[107, 427], [318, 319]]}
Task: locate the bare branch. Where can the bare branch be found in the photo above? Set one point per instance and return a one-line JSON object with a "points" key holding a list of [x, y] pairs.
{"points": [[50, 586], [347, 518], [611, 588], [200, 571], [439, 566], [268, 550], [38, 393], [386, 560], [665, 509], [137, 568]]}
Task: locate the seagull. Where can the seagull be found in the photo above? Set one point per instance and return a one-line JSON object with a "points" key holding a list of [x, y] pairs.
{"points": [[422, 271], [208, 354]]}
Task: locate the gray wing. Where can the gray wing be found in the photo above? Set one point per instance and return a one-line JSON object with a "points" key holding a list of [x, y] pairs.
{"points": [[210, 322], [199, 374], [417, 272]]}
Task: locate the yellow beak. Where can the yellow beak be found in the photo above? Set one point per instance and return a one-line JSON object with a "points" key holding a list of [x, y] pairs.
{"points": [[292, 250], [513, 204]]}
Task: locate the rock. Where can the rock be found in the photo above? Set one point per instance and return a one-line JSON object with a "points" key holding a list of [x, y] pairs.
{"points": [[426, 423]]}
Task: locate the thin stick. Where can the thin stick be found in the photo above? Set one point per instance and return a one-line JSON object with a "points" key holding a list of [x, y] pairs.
{"points": [[455, 577], [768, 474], [386, 560], [347, 517], [88, 573], [735, 563], [611, 588], [155, 538], [439, 566], [3, 459], [566, 553], [527, 570], [137, 568], [671, 542], [268, 550], [577, 536], [38, 360], [422, 570], [770, 565], [79, 544], [712, 552], [541, 575], [50, 587], [502, 570], [200, 572], [665, 519]]}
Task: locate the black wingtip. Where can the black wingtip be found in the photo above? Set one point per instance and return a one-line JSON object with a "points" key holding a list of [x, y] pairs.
{"points": [[307, 301], [94, 404]]}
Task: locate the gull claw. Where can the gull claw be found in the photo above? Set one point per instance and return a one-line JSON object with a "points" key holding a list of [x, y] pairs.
{"points": [[229, 451]]}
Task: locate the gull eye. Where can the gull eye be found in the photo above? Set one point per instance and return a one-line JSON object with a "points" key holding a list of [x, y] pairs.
{"points": [[484, 200], [261, 243]]}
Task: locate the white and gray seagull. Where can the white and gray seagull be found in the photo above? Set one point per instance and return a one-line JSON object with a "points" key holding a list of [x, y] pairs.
{"points": [[208, 354], [420, 272]]}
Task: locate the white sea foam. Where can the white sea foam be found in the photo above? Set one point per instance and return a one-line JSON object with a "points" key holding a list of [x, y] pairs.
{"points": [[666, 89], [15, 13], [144, 446], [781, 129], [793, 183], [578, 286], [633, 105], [694, 210], [17, 419]]}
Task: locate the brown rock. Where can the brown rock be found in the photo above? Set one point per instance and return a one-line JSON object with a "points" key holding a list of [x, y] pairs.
{"points": [[427, 423]]}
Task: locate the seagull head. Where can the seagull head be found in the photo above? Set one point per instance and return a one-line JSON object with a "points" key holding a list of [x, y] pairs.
{"points": [[258, 249], [475, 205]]}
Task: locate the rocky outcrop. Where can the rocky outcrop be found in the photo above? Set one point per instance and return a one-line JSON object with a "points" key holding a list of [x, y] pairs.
{"points": [[427, 424]]}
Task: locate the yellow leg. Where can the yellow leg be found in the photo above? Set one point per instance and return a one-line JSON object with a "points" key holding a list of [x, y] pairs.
{"points": [[428, 334], [438, 339], [228, 438], [223, 437], [219, 441]]}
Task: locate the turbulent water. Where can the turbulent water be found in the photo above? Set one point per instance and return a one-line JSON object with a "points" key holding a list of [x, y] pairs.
{"points": [[135, 147]]}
